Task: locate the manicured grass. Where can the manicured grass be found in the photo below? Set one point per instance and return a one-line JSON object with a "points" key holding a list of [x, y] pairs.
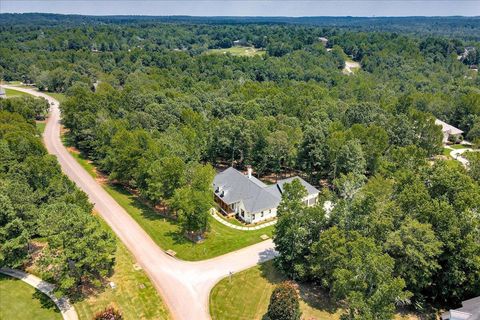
{"points": [[59, 96], [246, 296], [134, 294], [166, 232], [459, 146], [238, 51], [446, 152], [11, 93], [19, 301], [40, 126]]}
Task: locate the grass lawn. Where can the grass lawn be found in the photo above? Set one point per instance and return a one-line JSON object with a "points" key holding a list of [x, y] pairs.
{"points": [[446, 152], [40, 126], [247, 295], [134, 294], [19, 301], [11, 93], [59, 96], [238, 51], [165, 232], [459, 146]]}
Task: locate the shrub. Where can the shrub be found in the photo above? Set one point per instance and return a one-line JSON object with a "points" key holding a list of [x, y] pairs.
{"points": [[110, 313], [284, 303]]}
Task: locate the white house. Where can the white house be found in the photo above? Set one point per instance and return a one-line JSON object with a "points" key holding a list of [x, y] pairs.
{"points": [[448, 130], [250, 199], [470, 310]]}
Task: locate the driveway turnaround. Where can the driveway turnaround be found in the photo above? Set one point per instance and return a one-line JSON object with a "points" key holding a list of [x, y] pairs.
{"points": [[66, 309], [184, 286]]}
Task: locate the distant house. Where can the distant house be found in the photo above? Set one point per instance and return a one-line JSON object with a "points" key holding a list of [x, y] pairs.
{"points": [[470, 310], [240, 42], [448, 130], [3, 94], [250, 199], [323, 40]]}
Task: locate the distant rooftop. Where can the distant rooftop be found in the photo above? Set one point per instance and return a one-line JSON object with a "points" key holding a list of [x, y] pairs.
{"points": [[448, 128]]}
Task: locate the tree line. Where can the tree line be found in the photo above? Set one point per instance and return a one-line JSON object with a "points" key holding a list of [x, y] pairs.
{"points": [[39, 206]]}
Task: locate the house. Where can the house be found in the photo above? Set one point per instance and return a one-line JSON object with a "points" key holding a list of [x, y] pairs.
{"points": [[240, 42], [470, 310], [323, 40], [250, 199], [448, 130], [3, 94]]}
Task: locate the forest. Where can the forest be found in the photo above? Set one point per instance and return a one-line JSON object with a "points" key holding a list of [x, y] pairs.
{"points": [[155, 111]]}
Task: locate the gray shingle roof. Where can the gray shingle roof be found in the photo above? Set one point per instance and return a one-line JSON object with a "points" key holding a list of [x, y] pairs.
{"points": [[233, 186]]}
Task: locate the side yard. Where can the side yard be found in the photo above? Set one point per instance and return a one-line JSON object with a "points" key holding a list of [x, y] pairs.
{"points": [[165, 232], [247, 294], [133, 294]]}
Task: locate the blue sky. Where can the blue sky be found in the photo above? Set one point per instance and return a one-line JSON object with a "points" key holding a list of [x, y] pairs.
{"points": [[249, 8]]}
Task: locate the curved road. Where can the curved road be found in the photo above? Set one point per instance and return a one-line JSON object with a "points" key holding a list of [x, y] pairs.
{"points": [[184, 286]]}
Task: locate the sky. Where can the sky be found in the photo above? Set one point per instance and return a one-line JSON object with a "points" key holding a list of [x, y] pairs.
{"points": [[293, 8]]}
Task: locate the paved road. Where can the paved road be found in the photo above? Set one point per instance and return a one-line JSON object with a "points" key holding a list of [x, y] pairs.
{"points": [[66, 309], [184, 286]]}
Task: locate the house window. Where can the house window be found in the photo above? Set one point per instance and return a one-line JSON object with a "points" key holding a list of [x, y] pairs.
{"points": [[253, 216], [261, 216]]}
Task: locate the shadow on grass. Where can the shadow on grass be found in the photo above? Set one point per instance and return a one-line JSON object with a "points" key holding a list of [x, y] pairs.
{"points": [[317, 298], [45, 301], [312, 295], [149, 213]]}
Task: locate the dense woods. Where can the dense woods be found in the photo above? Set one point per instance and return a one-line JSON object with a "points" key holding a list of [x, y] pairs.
{"points": [[155, 110]]}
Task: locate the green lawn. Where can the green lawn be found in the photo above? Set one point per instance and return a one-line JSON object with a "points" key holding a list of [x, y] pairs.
{"points": [[40, 126], [134, 294], [459, 146], [165, 232], [20, 301], [247, 294], [446, 152], [238, 51], [59, 96], [11, 93]]}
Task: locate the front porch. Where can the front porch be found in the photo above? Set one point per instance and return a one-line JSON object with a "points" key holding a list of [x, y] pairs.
{"points": [[224, 208]]}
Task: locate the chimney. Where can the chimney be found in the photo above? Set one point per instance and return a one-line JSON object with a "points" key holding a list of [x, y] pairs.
{"points": [[249, 170]]}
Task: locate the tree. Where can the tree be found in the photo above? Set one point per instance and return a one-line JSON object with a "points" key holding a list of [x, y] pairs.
{"points": [[192, 207], [13, 236], [296, 229], [350, 158], [193, 202], [356, 271], [415, 249], [80, 251], [284, 304], [164, 177]]}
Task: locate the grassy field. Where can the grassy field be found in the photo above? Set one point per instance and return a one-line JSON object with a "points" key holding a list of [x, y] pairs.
{"points": [[165, 232], [446, 152], [247, 294], [40, 126], [11, 93], [238, 51], [134, 294], [59, 96], [20, 301]]}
